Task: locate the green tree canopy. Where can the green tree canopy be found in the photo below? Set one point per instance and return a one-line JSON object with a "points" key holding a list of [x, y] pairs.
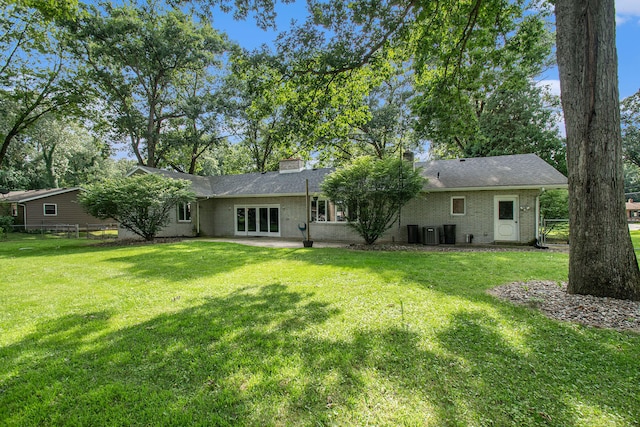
{"points": [[37, 75], [630, 121], [140, 203], [373, 191], [144, 61]]}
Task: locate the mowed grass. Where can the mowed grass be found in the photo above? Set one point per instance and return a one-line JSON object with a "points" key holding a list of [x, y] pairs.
{"points": [[202, 333]]}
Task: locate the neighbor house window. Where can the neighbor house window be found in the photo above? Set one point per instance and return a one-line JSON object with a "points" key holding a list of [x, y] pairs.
{"points": [[323, 210], [458, 206], [184, 212], [14, 209], [50, 209]]}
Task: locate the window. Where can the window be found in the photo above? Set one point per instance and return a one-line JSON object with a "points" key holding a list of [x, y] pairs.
{"points": [[14, 209], [458, 206], [50, 209], [323, 210], [184, 212], [506, 210]]}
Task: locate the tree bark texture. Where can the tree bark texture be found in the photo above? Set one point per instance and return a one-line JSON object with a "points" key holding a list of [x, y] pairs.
{"points": [[602, 260]]}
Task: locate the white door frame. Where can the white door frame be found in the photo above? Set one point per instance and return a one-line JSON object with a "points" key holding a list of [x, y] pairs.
{"points": [[257, 231], [506, 229]]}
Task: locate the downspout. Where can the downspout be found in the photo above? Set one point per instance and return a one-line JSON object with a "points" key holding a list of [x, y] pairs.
{"points": [[538, 239], [198, 214], [198, 218]]}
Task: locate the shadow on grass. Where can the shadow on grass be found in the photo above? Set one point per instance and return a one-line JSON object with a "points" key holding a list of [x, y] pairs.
{"points": [[260, 356]]}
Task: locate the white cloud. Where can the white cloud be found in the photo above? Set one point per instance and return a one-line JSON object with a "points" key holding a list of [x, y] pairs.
{"points": [[621, 19], [626, 10], [628, 7], [552, 85]]}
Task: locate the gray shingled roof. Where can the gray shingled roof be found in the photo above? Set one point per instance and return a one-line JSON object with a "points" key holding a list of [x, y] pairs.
{"points": [[250, 184], [22, 196], [514, 171], [201, 185], [276, 183]]}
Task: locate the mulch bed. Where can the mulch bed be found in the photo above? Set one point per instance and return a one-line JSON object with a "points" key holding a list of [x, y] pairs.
{"points": [[552, 299]]}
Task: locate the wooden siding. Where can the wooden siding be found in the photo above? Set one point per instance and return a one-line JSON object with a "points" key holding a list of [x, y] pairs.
{"points": [[68, 211]]}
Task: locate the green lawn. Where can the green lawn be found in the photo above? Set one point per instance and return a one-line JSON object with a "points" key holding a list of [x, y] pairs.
{"points": [[201, 333]]}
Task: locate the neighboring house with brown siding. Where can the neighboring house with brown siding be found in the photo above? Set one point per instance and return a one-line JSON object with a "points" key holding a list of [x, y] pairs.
{"points": [[495, 199], [35, 209]]}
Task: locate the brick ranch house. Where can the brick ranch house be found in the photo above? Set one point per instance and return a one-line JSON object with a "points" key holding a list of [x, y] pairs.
{"points": [[494, 199], [42, 209]]}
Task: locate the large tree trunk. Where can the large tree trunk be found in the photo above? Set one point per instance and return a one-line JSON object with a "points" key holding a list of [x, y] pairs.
{"points": [[602, 261]]}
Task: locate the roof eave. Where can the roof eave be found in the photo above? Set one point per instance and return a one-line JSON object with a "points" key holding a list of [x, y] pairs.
{"points": [[44, 196], [254, 196], [499, 188]]}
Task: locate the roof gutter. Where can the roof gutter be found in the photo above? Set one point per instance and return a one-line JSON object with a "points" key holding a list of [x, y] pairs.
{"points": [[498, 188]]}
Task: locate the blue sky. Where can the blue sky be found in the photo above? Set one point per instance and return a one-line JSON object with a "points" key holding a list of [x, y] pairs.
{"points": [[247, 34]]}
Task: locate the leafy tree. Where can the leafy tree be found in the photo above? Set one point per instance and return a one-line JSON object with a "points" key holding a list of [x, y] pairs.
{"points": [[491, 105], [51, 9], [630, 120], [386, 130], [276, 113], [192, 139], [516, 118], [143, 62], [602, 260], [632, 179], [55, 153], [554, 204], [37, 77], [373, 191], [140, 203], [258, 119]]}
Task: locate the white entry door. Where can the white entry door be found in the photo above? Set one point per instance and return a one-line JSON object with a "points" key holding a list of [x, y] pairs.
{"points": [[506, 226]]}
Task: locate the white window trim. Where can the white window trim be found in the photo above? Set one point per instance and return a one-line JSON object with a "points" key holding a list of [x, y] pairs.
{"points": [[464, 201], [328, 205], [44, 209], [181, 207]]}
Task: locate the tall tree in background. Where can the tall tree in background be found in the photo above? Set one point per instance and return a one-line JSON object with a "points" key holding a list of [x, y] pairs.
{"points": [[140, 57], [37, 77], [258, 96], [630, 120], [193, 137], [276, 112], [57, 153], [388, 128], [489, 104], [602, 260]]}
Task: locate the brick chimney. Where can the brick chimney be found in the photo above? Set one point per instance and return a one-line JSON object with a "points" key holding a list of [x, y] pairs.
{"points": [[291, 165]]}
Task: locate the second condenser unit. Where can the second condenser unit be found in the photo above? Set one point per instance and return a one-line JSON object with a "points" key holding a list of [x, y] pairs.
{"points": [[430, 235]]}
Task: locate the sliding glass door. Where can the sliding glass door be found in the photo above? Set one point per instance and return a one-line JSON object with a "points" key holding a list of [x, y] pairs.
{"points": [[258, 220]]}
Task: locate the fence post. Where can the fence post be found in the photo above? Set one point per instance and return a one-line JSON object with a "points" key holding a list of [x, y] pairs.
{"points": [[77, 231]]}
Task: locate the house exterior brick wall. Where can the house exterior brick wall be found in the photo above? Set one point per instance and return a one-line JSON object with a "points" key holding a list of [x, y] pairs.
{"points": [[434, 209], [427, 209], [218, 218], [291, 165]]}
